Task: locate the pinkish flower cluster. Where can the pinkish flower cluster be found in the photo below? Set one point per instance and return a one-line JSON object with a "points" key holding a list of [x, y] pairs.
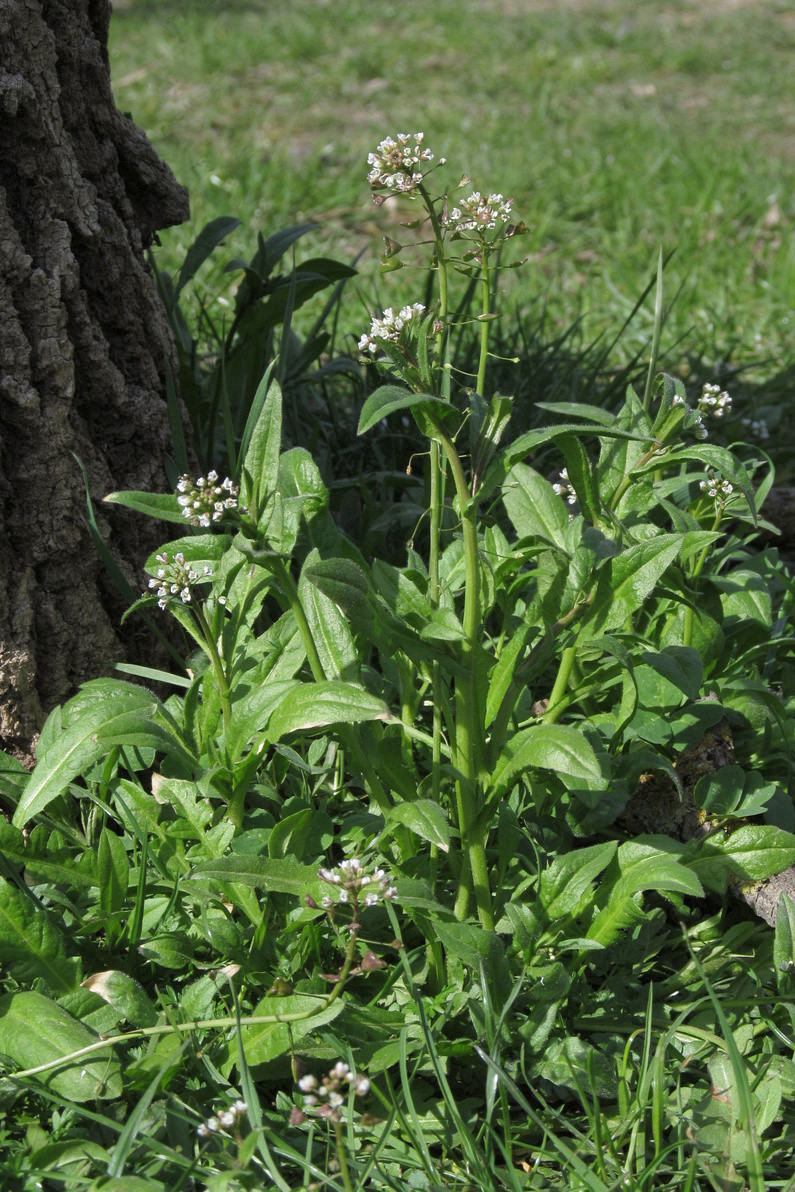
{"points": [[204, 500], [478, 213], [350, 879], [326, 1098], [397, 165], [390, 327]]}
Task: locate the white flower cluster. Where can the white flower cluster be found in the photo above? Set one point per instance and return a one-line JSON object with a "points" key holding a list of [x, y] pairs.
{"points": [[699, 429], [204, 500], [351, 877], [326, 1098], [478, 213], [389, 327], [757, 427], [715, 401], [175, 579], [716, 487], [223, 1121], [397, 164], [565, 490]]}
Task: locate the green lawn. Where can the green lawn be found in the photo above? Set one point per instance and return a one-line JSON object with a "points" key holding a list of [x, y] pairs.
{"points": [[617, 127]]}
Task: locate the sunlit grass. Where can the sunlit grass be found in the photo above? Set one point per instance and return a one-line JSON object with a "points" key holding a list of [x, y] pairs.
{"points": [[617, 127]]}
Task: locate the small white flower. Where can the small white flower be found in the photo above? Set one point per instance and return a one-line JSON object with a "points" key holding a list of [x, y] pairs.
{"points": [[397, 163], [479, 213], [307, 1083], [390, 327], [362, 1085]]}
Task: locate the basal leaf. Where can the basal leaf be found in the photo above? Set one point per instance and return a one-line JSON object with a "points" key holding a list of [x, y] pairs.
{"points": [[566, 879], [125, 994], [267, 1041], [35, 1030], [31, 943]]}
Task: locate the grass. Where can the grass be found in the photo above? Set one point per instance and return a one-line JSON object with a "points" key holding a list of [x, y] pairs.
{"points": [[617, 127]]}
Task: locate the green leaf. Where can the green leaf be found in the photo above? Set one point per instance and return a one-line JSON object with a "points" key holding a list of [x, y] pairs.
{"points": [[31, 943], [85, 740], [389, 399], [163, 506], [43, 863], [629, 578], [344, 582], [784, 942], [316, 705], [756, 852], [200, 550], [331, 632], [646, 863], [260, 472], [723, 461], [564, 882], [475, 947], [252, 711], [35, 1030], [113, 871], [545, 747], [426, 819], [535, 509], [282, 875], [680, 665], [527, 443], [583, 477], [267, 1041], [208, 239], [125, 995], [171, 950]]}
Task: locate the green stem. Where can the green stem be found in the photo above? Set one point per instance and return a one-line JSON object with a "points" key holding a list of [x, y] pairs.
{"points": [[469, 718], [485, 293], [437, 486], [342, 1158], [625, 483], [555, 705], [536, 659]]}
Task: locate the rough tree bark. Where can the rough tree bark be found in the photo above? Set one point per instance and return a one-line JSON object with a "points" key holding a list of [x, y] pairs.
{"points": [[82, 352]]}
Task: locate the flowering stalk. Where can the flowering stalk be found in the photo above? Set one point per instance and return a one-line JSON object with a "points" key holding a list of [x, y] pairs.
{"points": [[719, 490]]}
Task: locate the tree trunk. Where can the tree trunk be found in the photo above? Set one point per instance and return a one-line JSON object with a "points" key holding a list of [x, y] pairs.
{"points": [[83, 343]]}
